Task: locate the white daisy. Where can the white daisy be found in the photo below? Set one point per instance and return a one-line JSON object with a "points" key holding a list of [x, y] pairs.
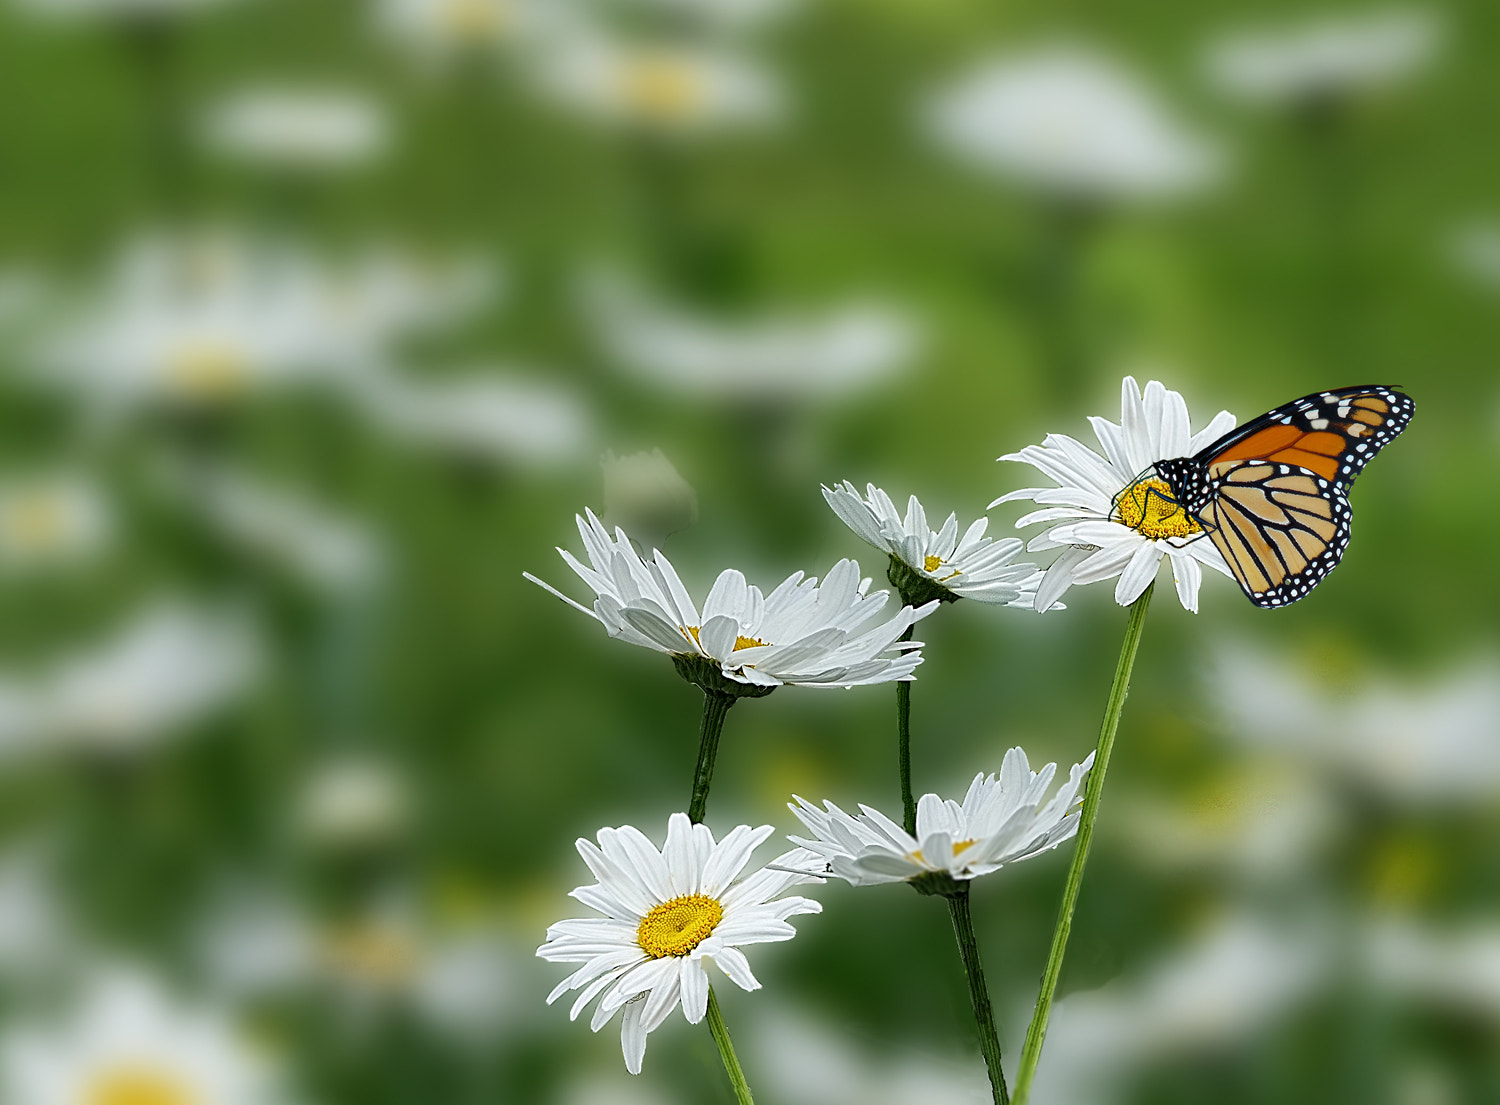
{"points": [[802, 632], [938, 563], [667, 915], [355, 800], [299, 128], [1105, 532], [675, 88], [1070, 120], [1001, 821], [1335, 55], [129, 1040]]}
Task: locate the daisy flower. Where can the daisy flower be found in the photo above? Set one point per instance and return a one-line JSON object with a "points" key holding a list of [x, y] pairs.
{"points": [[297, 128], [667, 915], [1104, 531], [1001, 821], [936, 564], [744, 642]]}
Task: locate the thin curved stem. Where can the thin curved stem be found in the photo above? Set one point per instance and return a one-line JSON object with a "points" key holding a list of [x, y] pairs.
{"points": [[726, 1051], [903, 747], [979, 994], [715, 710], [1036, 1033]]}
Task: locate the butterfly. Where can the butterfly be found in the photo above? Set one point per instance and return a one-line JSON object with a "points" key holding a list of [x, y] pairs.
{"points": [[1273, 495]]}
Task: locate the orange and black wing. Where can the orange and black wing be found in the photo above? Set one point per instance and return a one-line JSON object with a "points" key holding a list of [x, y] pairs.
{"points": [[1274, 493], [1331, 433]]}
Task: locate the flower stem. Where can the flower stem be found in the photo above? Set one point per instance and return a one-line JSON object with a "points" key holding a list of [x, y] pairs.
{"points": [[979, 994], [726, 1051], [715, 710], [1036, 1033], [903, 747]]}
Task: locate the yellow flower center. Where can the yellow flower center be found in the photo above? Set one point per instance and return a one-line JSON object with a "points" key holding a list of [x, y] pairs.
{"points": [[1148, 507], [933, 563], [963, 845], [678, 926], [739, 642], [661, 87], [207, 371], [139, 1085]]}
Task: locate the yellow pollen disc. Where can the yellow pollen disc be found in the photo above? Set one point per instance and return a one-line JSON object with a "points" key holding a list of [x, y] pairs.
{"points": [[207, 371], [661, 87], [678, 926], [139, 1086], [933, 563], [1147, 506], [963, 845], [739, 642]]}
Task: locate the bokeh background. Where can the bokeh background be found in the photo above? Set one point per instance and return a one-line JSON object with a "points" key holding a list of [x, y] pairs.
{"points": [[316, 320]]}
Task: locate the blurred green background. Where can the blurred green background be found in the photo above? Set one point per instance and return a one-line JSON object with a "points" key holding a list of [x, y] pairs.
{"points": [[333, 377]]}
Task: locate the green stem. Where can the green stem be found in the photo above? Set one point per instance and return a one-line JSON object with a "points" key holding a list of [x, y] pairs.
{"points": [[979, 994], [903, 746], [1036, 1033], [715, 710], [726, 1051]]}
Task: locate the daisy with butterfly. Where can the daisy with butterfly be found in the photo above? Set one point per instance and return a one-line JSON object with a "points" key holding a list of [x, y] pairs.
{"points": [[1266, 503]]}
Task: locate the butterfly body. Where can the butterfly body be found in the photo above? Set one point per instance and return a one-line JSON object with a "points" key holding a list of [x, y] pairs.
{"points": [[1273, 494]]}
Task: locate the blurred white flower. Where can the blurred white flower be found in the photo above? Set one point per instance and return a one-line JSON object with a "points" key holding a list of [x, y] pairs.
{"points": [[320, 548], [1455, 967], [299, 128], [483, 415], [1475, 249], [436, 29], [667, 915], [1260, 821], [1067, 119], [252, 942], [1335, 55], [802, 633], [1431, 742], [169, 666], [820, 1062], [37, 936], [721, 15], [51, 521], [111, 9], [130, 1040], [202, 320], [1104, 531], [644, 494], [791, 355], [674, 88], [355, 800], [972, 566], [1215, 991], [1001, 821]]}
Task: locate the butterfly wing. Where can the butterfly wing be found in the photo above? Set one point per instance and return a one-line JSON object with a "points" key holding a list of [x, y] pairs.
{"points": [[1274, 493], [1280, 528], [1331, 433]]}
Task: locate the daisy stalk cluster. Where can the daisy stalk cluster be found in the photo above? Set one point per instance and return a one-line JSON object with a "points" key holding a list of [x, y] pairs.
{"points": [[666, 914]]}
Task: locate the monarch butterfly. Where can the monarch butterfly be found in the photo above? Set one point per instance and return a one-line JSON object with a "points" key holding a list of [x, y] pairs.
{"points": [[1273, 495]]}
